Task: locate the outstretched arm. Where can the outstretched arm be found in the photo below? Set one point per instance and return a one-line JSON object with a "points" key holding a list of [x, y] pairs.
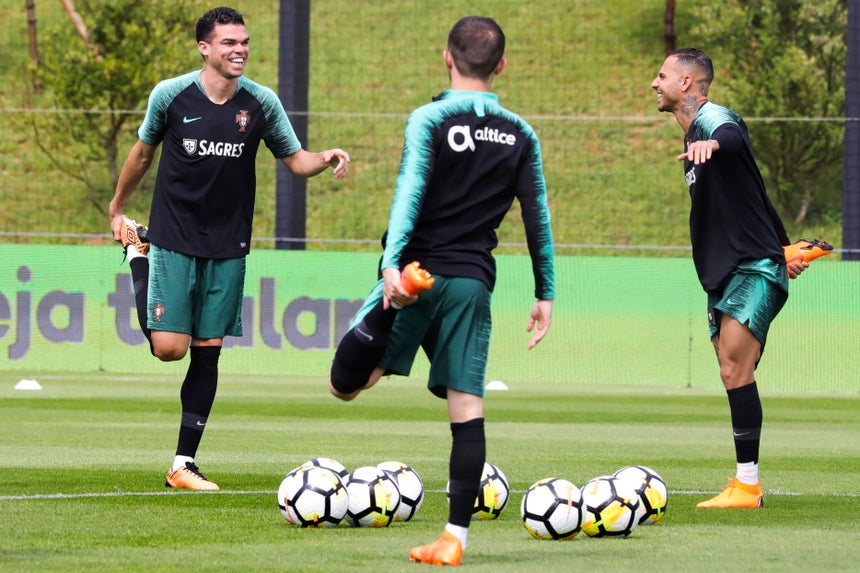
{"points": [[307, 164], [728, 137], [699, 152]]}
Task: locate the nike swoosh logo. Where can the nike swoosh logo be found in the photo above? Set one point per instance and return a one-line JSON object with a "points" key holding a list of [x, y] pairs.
{"points": [[186, 119], [201, 423], [368, 337], [740, 434]]}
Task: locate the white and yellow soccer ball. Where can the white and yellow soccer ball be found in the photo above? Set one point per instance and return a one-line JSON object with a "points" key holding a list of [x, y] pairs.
{"points": [[652, 491], [410, 485], [612, 507], [329, 464], [493, 494], [552, 509], [312, 497], [373, 497]]}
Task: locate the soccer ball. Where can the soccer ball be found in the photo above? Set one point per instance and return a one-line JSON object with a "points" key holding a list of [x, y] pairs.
{"points": [[312, 497], [329, 464], [612, 507], [652, 491], [552, 509], [493, 494], [373, 497], [410, 486]]}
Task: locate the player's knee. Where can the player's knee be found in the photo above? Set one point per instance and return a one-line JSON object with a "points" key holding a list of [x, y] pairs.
{"points": [[735, 375], [169, 353], [169, 356], [353, 366], [346, 381], [346, 397], [169, 346]]}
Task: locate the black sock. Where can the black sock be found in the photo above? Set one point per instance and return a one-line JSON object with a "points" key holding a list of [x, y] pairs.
{"points": [[140, 281], [745, 406], [376, 324], [468, 454], [197, 396], [361, 349]]}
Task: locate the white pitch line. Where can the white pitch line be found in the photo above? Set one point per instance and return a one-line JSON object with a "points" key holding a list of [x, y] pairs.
{"points": [[49, 496], [125, 494]]}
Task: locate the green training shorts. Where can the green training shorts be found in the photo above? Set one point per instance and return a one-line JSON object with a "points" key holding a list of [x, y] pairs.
{"points": [[452, 323], [755, 293], [195, 296]]}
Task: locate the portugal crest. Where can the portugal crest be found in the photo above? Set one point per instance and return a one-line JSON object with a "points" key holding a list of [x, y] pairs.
{"points": [[243, 119], [190, 146], [158, 312]]}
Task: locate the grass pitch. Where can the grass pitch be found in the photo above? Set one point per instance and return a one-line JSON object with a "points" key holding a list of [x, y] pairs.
{"points": [[82, 464]]}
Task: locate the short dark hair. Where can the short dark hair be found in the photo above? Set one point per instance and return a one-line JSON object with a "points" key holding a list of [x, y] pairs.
{"points": [[221, 15], [477, 45], [698, 59]]}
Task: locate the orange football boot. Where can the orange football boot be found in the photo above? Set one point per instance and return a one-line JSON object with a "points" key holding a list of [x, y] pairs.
{"points": [[133, 234], [807, 250], [447, 550], [189, 477], [736, 495], [416, 280]]}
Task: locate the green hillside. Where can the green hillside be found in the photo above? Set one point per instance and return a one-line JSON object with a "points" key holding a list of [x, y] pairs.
{"points": [[579, 71]]}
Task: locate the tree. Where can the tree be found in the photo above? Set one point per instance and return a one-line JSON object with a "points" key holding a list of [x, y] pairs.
{"points": [[669, 36], [99, 86], [785, 60]]}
